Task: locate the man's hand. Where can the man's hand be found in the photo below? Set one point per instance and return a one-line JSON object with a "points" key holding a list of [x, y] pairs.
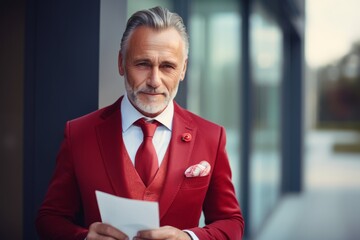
{"points": [[100, 231], [166, 232]]}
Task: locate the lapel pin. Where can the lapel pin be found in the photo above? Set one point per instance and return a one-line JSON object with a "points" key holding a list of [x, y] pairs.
{"points": [[186, 137]]}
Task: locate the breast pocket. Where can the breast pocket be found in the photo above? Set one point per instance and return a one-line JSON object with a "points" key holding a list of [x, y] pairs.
{"points": [[195, 182]]}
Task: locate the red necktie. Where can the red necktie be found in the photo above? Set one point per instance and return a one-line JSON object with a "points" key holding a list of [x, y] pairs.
{"points": [[146, 161]]}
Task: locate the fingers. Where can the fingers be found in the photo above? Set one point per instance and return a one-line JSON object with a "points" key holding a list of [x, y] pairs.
{"points": [[102, 231], [166, 232]]}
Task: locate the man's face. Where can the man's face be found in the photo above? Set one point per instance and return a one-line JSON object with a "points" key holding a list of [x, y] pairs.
{"points": [[155, 63]]}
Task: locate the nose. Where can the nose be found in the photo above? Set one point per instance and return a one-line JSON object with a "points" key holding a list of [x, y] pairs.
{"points": [[154, 79]]}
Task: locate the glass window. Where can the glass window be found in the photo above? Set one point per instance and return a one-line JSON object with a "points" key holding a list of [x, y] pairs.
{"points": [[214, 69], [266, 56]]}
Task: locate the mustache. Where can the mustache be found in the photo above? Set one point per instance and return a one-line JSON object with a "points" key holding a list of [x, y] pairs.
{"points": [[150, 91]]}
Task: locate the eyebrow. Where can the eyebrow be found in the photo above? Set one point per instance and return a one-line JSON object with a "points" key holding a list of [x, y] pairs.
{"points": [[169, 62], [148, 60], [142, 60]]}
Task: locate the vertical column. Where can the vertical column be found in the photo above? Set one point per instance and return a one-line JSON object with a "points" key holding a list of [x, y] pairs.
{"points": [[12, 29], [292, 116], [246, 115], [113, 16], [183, 9], [61, 83]]}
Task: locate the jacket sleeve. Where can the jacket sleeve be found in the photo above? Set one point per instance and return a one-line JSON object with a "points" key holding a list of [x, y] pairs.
{"points": [[222, 213], [60, 213]]}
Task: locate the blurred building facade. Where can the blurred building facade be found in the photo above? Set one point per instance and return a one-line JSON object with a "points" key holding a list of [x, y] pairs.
{"points": [[338, 98], [338, 92], [245, 72]]}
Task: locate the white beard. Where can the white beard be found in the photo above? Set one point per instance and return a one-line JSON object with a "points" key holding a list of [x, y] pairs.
{"points": [[151, 108]]}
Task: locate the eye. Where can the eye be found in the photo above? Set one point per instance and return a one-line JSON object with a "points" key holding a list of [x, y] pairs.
{"points": [[143, 64], [168, 66]]}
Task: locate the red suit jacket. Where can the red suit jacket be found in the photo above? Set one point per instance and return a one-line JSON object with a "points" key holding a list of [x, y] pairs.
{"points": [[91, 159]]}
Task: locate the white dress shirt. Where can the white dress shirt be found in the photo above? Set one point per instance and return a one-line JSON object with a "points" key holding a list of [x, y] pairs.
{"points": [[133, 135]]}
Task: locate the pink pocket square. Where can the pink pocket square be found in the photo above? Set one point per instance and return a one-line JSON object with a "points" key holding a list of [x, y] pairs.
{"points": [[199, 170]]}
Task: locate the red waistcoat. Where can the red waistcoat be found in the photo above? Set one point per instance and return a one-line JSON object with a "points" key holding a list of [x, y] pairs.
{"points": [[134, 185]]}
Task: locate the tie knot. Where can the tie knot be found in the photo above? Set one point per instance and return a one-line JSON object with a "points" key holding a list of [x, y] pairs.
{"points": [[148, 128]]}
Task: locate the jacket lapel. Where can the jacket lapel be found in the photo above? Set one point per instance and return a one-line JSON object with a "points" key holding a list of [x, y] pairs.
{"points": [[179, 158], [109, 135]]}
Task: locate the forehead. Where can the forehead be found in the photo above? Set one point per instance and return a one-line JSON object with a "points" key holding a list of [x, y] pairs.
{"points": [[147, 40]]}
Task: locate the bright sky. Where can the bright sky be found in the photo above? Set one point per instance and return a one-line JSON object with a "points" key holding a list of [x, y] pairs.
{"points": [[331, 27]]}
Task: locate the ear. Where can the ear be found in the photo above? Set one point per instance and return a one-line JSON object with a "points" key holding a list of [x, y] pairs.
{"points": [[183, 72], [120, 64]]}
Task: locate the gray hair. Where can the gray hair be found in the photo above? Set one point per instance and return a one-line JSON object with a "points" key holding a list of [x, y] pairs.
{"points": [[157, 18]]}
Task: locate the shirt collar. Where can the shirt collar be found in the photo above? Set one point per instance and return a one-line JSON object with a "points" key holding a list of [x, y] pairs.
{"points": [[129, 114]]}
